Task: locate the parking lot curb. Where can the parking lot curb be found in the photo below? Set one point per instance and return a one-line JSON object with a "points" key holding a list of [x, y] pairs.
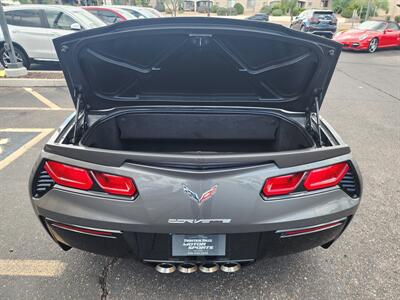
{"points": [[31, 82]]}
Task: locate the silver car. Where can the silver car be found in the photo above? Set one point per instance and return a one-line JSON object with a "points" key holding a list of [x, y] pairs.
{"points": [[33, 28], [196, 143]]}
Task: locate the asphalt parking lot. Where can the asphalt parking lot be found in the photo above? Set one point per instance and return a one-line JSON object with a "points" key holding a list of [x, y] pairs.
{"points": [[363, 104]]}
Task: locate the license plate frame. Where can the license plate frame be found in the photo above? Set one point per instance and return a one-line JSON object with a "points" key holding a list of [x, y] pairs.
{"points": [[198, 244]]}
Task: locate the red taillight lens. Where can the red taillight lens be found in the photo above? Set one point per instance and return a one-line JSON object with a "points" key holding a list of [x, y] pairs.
{"points": [[325, 177], [68, 175], [314, 180], [114, 184], [282, 185], [314, 20]]}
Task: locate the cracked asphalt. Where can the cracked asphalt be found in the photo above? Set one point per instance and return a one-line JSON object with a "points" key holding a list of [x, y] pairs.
{"points": [[363, 105]]}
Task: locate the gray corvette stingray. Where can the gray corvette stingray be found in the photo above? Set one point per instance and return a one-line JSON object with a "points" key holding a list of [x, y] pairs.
{"points": [[196, 143]]}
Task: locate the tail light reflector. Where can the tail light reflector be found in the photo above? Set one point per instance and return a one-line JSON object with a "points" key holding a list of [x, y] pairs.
{"points": [[314, 20], [85, 230], [325, 177], [282, 185], [68, 175], [310, 229], [114, 184]]}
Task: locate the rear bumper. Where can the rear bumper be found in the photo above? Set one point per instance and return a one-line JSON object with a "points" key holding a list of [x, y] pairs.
{"points": [[157, 247], [104, 234], [326, 32], [355, 45]]}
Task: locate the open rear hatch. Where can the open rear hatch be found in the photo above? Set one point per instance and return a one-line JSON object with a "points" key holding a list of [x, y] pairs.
{"points": [[223, 69]]}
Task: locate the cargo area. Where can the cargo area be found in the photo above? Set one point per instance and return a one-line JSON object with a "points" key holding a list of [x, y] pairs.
{"points": [[173, 132]]}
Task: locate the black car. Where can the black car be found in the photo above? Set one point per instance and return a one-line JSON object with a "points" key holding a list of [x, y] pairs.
{"points": [[319, 22], [259, 17]]}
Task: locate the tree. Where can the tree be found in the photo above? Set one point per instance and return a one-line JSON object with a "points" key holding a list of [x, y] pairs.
{"points": [[288, 7], [339, 5], [173, 6], [364, 8]]}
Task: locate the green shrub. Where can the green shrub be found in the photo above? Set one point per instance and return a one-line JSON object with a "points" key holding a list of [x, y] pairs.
{"points": [[297, 11], [277, 12], [222, 11], [276, 6], [347, 12], [239, 8], [214, 9], [397, 19], [266, 9]]}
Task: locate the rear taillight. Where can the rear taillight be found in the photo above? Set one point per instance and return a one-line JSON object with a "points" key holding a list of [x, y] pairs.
{"points": [[282, 185], [310, 180], [314, 20], [69, 175], [114, 184], [80, 178], [325, 177]]}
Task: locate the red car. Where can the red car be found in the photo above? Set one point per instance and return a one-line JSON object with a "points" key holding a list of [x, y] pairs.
{"points": [[109, 15], [370, 36]]}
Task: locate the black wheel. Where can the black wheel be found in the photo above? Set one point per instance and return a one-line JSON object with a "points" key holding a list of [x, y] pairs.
{"points": [[373, 45], [19, 54]]}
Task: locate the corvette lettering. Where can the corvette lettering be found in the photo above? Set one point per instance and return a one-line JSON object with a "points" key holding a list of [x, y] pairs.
{"points": [[198, 221]]}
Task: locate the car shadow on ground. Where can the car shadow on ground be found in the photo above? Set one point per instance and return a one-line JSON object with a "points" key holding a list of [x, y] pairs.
{"points": [[122, 277]]}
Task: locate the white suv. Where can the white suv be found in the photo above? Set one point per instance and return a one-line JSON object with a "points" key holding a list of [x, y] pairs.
{"points": [[33, 28]]}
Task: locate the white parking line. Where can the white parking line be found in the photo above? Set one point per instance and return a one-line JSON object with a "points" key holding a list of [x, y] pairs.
{"points": [[36, 108], [43, 268], [42, 99], [3, 142], [21, 150]]}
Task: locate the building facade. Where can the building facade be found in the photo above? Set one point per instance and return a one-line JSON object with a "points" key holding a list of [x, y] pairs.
{"points": [[254, 6]]}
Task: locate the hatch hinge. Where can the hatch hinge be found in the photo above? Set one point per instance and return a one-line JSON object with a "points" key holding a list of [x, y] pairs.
{"points": [[314, 113], [80, 117]]}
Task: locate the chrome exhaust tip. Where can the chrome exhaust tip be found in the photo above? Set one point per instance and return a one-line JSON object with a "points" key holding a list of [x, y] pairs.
{"points": [[230, 267], [165, 268], [187, 268], [208, 267]]}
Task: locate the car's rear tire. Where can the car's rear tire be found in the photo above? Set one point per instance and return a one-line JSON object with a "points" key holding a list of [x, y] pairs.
{"points": [[19, 53], [373, 45]]}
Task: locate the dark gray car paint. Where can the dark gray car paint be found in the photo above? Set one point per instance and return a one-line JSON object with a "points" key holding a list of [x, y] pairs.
{"points": [[161, 197], [159, 179]]}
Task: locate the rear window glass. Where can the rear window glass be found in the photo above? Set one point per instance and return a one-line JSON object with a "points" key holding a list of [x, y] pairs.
{"points": [[59, 20], [323, 15], [24, 17], [108, 17]]}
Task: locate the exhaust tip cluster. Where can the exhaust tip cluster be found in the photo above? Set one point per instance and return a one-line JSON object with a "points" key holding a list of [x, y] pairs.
{"points": [[188, 268]]}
